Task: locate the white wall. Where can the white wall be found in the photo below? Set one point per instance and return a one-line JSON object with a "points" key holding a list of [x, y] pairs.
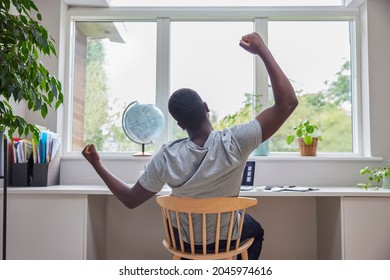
{"points": [[378, 38]]}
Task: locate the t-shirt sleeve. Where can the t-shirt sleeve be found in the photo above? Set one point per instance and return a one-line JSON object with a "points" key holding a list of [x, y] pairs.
{"points": [[152, 178], [248, 136]]}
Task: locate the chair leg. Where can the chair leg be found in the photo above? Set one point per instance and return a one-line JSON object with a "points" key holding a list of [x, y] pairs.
{"points": [[244, 255], [176, 257]]}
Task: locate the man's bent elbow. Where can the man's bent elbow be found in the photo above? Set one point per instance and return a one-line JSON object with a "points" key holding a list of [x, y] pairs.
{"points": [[291, 105], [294, 104], [130, 204]]}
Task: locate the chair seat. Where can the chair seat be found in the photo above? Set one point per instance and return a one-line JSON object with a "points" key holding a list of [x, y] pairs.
{"points": [[179, 207]]}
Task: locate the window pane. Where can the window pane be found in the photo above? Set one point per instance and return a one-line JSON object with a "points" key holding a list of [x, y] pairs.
{"points": [[206, 57], [115, 64], [316, 58]]}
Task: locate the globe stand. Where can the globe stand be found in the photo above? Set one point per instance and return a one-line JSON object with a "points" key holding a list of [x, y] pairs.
{"points": [[143, 153]]}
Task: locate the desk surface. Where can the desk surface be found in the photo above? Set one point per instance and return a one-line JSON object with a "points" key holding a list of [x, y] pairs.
{"points": [[256, 191]]}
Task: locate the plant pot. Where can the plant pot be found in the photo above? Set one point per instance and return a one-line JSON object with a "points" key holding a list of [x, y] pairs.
{"points": [[386, 182], [308, 150]]}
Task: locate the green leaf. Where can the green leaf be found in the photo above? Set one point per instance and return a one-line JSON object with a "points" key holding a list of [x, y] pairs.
{"points": [[58, 104], [37, 104], [44, 110], [35, 133], [310, 129], [308, 140], [26, 130], [365, 170], [7, 4], [20, 130], [290, 139], [33, 6], [30, 104], [299, 133], [23, 19]]}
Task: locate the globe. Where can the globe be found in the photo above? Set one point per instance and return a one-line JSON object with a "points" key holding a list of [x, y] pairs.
{"points": [[142, 123]]}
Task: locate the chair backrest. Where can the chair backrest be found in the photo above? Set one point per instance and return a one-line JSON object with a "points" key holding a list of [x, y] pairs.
{"points": [[222, 208]]}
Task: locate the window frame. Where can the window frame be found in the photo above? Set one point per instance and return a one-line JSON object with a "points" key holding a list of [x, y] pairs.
{"points": [[260, 17]]}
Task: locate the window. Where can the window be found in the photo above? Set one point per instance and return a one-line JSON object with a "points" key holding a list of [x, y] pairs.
{"points": [[136, 58], [218, 68], [115, 64], [316, 56]]}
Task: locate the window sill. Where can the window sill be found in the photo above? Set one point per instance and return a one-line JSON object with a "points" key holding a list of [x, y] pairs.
{"points": [[108, 156], [271, 157], [319, 157]]}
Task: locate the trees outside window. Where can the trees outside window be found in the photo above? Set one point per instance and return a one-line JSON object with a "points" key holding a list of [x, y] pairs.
{"points": [[112, 71]]}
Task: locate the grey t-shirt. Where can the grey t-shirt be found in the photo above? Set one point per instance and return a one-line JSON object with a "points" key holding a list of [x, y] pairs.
{"points": [[212, 170], [209, 171]]}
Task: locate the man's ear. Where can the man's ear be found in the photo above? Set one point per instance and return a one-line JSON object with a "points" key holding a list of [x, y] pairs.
{"points": [[181, 125], [206, 107]]}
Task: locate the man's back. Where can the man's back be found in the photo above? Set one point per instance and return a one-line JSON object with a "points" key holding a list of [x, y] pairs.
{"points": [[212, 170]]}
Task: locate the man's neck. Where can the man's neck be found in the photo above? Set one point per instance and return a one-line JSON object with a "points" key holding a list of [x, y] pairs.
{"points": [[200, 136]]}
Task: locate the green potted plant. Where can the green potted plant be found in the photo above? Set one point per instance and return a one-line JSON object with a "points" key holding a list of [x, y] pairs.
{"points": [[308, 137], [376, 175], [23, 77]]}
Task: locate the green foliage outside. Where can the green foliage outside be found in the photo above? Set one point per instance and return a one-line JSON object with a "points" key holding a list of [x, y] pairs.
{"points": [[96, 97], [244, 114], [329, 109]]}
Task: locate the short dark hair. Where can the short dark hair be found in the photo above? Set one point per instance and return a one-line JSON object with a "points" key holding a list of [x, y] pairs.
{"points": [[187, 107]]}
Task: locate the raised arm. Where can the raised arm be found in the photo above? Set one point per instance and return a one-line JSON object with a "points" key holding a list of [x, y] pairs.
{"points": [[272, 118], [129, 196]]}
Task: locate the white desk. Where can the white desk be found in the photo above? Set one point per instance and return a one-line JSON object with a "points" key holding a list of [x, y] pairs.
{"points": [[256, 191], [87, 222]]}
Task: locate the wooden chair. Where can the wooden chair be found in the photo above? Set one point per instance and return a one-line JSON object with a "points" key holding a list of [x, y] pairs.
{"points": [[223, 209]]}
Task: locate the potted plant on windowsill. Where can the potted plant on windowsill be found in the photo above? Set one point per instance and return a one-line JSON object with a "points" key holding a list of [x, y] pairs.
{"points": [[376, 175], [307, 136], [23, 77]]}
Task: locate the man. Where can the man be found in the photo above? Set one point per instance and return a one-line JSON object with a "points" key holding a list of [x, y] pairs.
{"points": [[208, 163]]}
